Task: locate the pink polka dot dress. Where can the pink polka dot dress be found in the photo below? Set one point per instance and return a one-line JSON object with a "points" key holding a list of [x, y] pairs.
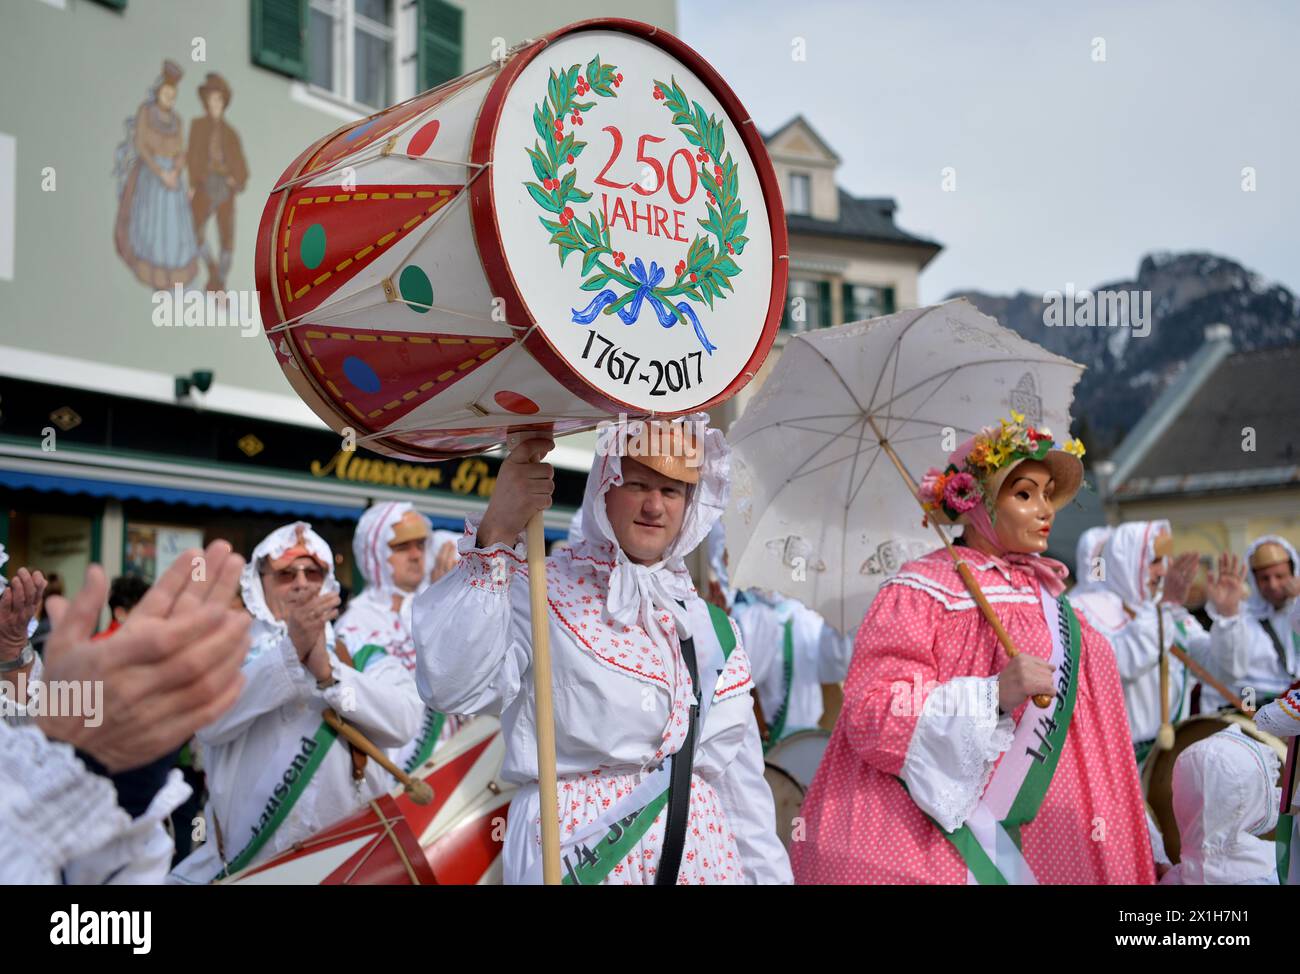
{"points": [[860, 825]]}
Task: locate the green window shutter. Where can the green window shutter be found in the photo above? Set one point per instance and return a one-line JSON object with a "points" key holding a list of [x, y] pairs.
{"points": [[887, 299], [115, 4], [849, 312], [279, 36], [824, 301], [438, 43]]}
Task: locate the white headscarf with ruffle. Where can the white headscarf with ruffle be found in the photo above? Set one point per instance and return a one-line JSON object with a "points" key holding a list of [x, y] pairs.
{"points": [[1126, 559], [267, 630], [1225, 795], [638, 592], [1090, 546]]}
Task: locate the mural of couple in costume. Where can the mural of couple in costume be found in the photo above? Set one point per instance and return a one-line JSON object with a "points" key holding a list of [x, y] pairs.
{"points": [[168, 188]]}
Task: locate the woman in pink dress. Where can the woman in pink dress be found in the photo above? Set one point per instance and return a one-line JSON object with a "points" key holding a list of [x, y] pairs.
{"points": [[940, 768]]}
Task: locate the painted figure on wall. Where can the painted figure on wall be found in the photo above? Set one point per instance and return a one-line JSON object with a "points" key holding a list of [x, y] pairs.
{"points": [[217, 172], [154, 230]]}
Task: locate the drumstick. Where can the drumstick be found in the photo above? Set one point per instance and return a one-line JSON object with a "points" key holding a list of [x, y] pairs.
{"points": [[419, 791], [1164, 736], [547, 789], [1204, 677]]}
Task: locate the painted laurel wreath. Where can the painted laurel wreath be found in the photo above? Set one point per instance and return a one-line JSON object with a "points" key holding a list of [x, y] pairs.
{"points": [[704, 274]]}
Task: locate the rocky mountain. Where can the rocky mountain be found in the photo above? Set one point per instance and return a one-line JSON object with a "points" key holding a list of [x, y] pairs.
{"points": [[1129, 365]]}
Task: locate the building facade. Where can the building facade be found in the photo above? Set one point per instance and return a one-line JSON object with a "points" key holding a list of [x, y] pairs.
{"points": [[1218, 453], [139, 140], [849, 260]]}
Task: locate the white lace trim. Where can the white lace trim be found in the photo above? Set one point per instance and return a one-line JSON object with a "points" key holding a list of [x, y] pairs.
{"points": [[955, 747], [51, 808], [958, 605], [957, 593]]}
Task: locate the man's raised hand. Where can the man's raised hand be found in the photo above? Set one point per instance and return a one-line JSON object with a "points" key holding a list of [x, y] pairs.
{"points": [[524, 486]]}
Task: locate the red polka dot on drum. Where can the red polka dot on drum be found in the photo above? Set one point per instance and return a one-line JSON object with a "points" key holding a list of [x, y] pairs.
{"points": [[423, 139], [515, 402]]}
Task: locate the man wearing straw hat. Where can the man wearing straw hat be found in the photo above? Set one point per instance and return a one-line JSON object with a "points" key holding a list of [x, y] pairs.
{"points": [[277, 771], [658, 782], [391, 547], [953, 762], [1260, 628]]}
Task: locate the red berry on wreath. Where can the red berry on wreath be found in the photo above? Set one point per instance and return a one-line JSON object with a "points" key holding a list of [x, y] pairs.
{"points": [[570, 158], [568, 212], [619, 76], [579, 119], [658, 92], [693, 278]]}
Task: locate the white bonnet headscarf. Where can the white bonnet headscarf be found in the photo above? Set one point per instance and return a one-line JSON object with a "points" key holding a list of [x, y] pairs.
{"points": [[638, 592], [266, 629]]}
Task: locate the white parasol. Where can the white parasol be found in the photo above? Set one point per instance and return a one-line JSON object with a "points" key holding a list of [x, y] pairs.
{"points": [[819, 510]]}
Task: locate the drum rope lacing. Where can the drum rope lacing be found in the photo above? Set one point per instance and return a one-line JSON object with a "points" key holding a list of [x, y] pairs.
{"points": [[432, 225], [393, 136], [320, 313], [401, 853]]}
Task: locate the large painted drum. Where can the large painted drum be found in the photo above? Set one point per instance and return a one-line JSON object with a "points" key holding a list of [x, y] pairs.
{"points": [[1158, 768], [455, 840], [589, 228]]}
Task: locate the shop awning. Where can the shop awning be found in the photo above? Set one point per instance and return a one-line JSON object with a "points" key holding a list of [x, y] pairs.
{"points": [[123, 490], [129, 490]]}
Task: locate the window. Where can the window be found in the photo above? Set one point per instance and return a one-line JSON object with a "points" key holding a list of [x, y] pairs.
{"points": [[800, 193], [863, 301], [807, 305], [350, 45], [438, 32]]}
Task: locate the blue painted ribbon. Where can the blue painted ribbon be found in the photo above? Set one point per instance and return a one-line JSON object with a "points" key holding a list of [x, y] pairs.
{"points": [[646, 283]]}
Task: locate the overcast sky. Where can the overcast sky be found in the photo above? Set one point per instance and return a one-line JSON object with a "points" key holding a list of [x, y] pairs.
{"points": [[1067, 169]]}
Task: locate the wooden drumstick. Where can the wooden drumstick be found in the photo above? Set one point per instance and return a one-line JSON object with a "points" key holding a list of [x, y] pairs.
{"points": [[1164, 736], [1203, 675], [419, 791], [547, 789]]}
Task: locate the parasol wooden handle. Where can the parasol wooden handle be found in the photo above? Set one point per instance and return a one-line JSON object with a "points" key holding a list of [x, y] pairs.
{"points": [[1203, 675], [1043, 700], [419, 791], [547, 789]]}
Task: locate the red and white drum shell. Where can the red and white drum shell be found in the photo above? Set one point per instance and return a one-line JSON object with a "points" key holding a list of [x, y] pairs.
{"points": [[455, 840], [590, 228]]}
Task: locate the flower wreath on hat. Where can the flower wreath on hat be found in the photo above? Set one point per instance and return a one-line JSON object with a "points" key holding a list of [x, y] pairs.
{"points": [[965, 483]]}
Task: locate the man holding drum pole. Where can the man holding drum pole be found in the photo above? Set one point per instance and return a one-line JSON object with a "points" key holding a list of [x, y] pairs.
{"points": [[658, 781]]}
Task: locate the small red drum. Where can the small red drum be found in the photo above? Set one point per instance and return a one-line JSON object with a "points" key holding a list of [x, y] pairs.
{"points": [[455, 840], [589, 228]]}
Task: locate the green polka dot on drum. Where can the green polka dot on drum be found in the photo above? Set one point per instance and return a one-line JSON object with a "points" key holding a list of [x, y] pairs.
{"points": [[312, 247], [416, 289]]}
